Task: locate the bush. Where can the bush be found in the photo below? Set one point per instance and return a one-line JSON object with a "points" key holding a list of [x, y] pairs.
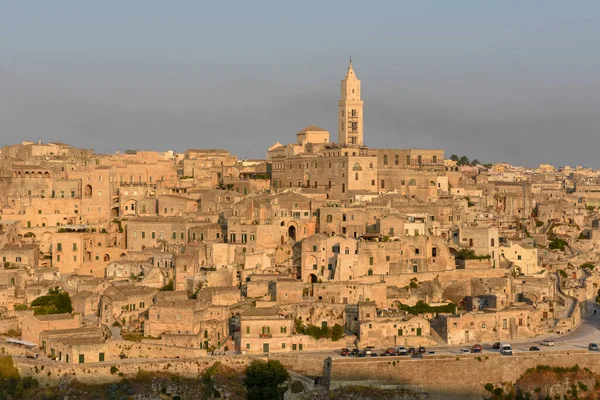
{"points": [[562, 273], [468, 254], [297, 387], [263, 379], [168, 287], [421, 308], [55, 302], [113, 370], [539, 223], [489, 387], [558, 244], [587, 265], [20, 307]]}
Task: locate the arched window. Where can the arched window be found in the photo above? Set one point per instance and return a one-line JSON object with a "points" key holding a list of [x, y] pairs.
{"points": [[87, 191], [412, 182]]}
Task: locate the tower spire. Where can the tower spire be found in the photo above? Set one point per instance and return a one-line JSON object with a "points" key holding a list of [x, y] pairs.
{"points": [[350, 107]]}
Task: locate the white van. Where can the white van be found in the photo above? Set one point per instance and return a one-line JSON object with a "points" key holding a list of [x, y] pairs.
{"points": [[506, 349]]}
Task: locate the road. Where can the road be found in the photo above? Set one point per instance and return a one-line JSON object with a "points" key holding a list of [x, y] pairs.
{"points": [[587, 332]]}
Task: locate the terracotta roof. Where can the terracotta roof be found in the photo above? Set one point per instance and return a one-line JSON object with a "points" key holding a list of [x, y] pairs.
{"points": [[313, 128]]}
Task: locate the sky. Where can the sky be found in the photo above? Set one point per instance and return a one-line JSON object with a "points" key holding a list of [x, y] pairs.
{"points": [[500, 81]]}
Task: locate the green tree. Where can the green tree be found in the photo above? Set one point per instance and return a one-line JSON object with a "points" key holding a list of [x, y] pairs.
{"points": [[168, 287], [337, 332], [263, 379], [454, 157], [464, 160], [55, 302]]}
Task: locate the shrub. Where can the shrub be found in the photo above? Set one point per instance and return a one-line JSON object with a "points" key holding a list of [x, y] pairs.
{"points": [[55, 302], [263, 379], [20, 307], [562, 273], [489, 387], [168, 287], [468, 254], [113, 370], [558, 244], [539, 223], [297, 387], [587, 265], [421, 308]]}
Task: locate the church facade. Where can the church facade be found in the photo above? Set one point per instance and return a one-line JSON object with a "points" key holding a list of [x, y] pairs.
{"points": [[349, 168]]}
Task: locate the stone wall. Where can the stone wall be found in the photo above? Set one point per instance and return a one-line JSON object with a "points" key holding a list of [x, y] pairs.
{"points": [[453, 377], [50, 372], [152, 350]]}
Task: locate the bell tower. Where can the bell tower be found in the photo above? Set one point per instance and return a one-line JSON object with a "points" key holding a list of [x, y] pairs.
{"points": [[350, 111]]}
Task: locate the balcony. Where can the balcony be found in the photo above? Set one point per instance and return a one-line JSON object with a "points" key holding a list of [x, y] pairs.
{"points": [[265, 335]]}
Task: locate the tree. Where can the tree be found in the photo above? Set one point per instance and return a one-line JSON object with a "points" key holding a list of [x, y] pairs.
{"points": [[464, 160], [475, 162], [55, 302], [263, 379], [454, 157], [337, 332]]}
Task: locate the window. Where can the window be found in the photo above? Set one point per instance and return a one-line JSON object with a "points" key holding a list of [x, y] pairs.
{"points": [[283, 329], [314, 248], [158, 316], [356, 176], [101, 357], [174, 235], [59, 247], [383, 184], [143, 235], [385, 160], [434, 159], [283, 345], [419, 159], [370, 260], [153, 235], [387, 258], [329, 220], [74, 246], [247, 346], [396, 159], [247, 330], [81, 359], [417, 251], [408, 159], [433, 252]]}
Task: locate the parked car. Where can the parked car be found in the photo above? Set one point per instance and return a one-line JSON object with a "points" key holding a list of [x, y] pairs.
{"points": [[374, 355], [417, 356], [534, 348], [465, 351], [506, 349], [593, 347], [390, 351], [403, 353], [411, 350], [401, 349], [496, 345], [355, 352], [361, 355], [422, 350], [367, 351], [345, 352], [548, 342], [476, 348]]}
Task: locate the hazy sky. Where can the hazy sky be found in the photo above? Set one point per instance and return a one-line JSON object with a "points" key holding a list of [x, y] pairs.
{"points": [[515, 81]]}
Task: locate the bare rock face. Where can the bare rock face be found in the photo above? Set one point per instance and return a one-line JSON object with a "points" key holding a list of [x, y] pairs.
{"points": [[544, 382], [363, 393]]}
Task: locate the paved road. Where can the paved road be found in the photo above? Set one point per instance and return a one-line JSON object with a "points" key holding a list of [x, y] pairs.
{"points": [[587, 332]]}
